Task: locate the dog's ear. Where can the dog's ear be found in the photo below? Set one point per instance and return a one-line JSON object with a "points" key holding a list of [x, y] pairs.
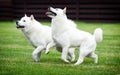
{"points": [[32, 17], [25, 15], [64, 10]]}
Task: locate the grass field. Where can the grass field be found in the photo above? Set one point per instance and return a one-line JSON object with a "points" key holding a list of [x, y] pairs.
{"points": [[16, 59]]}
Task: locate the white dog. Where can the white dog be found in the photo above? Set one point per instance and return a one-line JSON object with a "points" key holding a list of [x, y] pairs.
{"points": [[40, 36], [67, 37]]}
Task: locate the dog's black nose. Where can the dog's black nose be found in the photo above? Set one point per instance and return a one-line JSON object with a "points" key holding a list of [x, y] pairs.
{"points": [[48, 8]]}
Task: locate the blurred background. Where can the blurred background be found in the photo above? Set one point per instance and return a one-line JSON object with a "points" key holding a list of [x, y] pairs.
{"points": [[82, 10]]}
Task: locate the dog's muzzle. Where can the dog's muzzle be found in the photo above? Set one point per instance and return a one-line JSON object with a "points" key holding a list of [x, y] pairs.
{"points": [[49, 12], [18, 26]]}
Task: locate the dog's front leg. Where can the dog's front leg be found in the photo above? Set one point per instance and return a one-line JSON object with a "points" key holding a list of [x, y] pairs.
{"points": [[50, 45], [71, 54], [64, 54], [37, 53]]}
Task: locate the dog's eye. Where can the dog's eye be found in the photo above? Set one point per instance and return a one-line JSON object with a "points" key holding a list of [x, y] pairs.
{"points": [[23, 20]]}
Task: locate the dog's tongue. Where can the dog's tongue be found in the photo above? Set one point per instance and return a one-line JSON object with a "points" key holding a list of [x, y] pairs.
{"points": [[17, 26], [48, 13]]}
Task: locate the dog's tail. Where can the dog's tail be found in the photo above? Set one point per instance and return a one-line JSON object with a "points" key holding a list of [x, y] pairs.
{"points": [[98, 34]]}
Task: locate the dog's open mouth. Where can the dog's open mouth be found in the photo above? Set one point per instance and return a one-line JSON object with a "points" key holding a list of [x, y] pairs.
{"points": [[49, 12], [19, 26]]}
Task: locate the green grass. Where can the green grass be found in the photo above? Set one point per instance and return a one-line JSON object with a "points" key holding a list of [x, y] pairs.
{"points": [[15, 54]]}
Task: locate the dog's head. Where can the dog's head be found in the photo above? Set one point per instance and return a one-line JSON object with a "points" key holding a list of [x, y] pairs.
{"points": [[24, 21], [53, 12]]}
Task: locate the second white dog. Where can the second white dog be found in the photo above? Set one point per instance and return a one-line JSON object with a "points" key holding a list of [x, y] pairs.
{"points": [[67, 37]]}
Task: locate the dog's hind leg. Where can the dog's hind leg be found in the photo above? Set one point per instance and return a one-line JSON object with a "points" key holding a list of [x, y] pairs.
{"points": [[80, 59], [37, 53], [94, 56], [83, 52]]}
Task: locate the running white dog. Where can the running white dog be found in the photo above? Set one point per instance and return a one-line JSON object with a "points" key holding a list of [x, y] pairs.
{"points": [[67, 37], [40, 36]]}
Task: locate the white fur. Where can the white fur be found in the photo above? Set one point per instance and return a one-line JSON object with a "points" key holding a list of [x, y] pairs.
{"points": [[67, 37], [98, 34], [39, 35]]}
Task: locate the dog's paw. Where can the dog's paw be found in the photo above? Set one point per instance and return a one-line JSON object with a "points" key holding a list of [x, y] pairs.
{"points": [[77, 64], [66, 61]]}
